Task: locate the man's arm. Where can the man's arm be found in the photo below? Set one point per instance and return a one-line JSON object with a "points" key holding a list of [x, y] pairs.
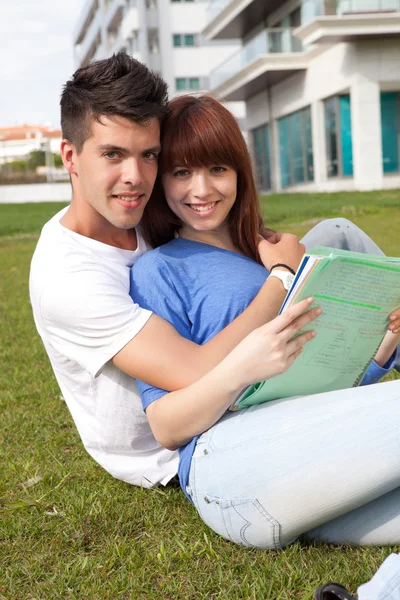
{"points": [[161, 357]]}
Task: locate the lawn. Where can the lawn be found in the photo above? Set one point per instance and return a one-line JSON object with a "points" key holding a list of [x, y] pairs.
{"points": [[70, 531]]}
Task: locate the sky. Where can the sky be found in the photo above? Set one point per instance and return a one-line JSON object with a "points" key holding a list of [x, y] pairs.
{"points": [[36, 58]]}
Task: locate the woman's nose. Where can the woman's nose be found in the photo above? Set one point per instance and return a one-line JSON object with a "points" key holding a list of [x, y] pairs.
{"points": [[201, 187]]}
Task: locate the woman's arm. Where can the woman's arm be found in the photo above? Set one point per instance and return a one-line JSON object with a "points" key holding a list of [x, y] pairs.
{"points": [[177, 417], [162, 357]]}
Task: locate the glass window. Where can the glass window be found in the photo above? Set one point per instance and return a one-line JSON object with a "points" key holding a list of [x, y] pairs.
{"points": [[180, 83], [194, 83], [262, 157], [189, 39], [295, 148], [331, 137], [308, 144], [338, 135], [284, 151], [177, 40], [346, 145], [390, 117]]}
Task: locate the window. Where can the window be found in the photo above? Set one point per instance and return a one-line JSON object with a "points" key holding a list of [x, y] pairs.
{"points": [[180, 83], [183, 39], [295, 148], [187, 83], [339, 149], [194, 83], [390, 119], [262, 157]]}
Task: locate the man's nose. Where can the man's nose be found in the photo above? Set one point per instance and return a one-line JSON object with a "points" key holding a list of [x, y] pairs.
{"points": [[132, 172]]}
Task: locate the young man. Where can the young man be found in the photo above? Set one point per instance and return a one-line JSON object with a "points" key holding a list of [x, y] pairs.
{"points": [[96, 338]]}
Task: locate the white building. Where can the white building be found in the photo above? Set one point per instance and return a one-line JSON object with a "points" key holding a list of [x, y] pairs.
{"points": [[321, 81], [17, 142], [163, 34]]}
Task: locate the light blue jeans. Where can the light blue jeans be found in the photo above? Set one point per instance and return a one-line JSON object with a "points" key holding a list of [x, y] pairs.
{"points": [[323, 467]]}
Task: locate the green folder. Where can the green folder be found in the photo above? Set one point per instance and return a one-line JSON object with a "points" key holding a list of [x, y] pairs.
{"points": [[357, 292]]}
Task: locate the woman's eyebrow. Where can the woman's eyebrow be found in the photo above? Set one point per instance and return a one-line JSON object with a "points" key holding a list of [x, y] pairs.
{"points": [[156, 149]]}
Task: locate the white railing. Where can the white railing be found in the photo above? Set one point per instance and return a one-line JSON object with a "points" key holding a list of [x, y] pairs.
{"points": [[278, 40], [317, 8]]}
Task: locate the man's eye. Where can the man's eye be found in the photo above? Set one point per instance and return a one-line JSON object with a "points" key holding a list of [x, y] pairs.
{"points": [[151, 155], [111, 155]]}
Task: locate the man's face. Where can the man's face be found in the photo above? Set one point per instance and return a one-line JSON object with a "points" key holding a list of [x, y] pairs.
{"points": [[114, 174]]}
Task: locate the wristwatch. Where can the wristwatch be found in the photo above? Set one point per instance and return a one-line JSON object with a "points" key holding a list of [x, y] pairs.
{"points": [[286, 278]]}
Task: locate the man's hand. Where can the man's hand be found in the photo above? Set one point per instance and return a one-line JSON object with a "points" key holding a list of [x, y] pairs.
{"points": [[282, 248]]}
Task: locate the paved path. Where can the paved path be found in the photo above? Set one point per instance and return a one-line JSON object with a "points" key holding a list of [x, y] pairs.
{"points": [[35, 192]]}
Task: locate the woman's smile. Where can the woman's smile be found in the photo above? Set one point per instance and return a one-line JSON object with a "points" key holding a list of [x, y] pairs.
{"points": [[202, 209]]}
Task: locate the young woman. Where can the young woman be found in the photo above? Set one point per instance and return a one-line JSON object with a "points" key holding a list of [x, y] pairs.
{"points": [[325, 466]]}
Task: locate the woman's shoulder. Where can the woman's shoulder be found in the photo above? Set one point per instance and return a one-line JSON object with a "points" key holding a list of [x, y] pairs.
{"points": [[156, 260]]}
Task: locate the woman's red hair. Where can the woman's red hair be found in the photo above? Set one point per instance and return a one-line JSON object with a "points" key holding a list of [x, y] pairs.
{"points": [[199, 131]]}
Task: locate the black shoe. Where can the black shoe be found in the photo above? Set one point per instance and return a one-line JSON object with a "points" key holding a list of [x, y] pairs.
{"points": [[332, 591]]}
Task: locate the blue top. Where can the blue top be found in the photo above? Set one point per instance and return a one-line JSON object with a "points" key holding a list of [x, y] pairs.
{"points": [[200, 289]]}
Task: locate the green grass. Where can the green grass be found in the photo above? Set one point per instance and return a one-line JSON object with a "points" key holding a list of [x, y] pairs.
{"points": [[77, 533]]}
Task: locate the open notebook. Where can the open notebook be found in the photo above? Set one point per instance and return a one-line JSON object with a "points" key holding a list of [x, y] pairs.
{"points": [[357, 292]]}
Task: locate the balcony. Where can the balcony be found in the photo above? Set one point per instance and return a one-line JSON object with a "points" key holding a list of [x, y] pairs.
{"points": [[130, 23], [269, 57], [87, 15], [87, 48], [230, 19], [333, 21], [114, 15]]}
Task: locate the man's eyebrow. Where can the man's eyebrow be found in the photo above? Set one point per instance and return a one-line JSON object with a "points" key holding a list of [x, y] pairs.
{"points": [[112, 148]]}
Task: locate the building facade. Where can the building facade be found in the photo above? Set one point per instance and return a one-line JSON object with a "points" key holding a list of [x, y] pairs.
{"points": [[321, 82], [166, 35], [18, 141]]}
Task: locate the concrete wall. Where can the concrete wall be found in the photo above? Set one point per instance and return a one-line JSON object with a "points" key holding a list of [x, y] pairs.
{"points": [[35, 192]]}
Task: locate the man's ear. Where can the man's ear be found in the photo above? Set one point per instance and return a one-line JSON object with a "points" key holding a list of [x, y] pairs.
{"points": [[68, 155]]}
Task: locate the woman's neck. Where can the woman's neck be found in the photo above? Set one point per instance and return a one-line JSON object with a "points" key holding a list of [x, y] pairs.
{"points": [[219, 238]]}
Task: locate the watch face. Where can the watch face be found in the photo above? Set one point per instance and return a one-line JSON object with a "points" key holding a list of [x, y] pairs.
{"points": [[289, 281]]}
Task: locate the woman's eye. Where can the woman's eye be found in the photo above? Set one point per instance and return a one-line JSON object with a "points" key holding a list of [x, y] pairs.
{"points": [[180, 173], [218, 169]]}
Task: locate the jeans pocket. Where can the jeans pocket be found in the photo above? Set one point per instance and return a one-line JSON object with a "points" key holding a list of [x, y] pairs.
{"points": [[246, 522]]}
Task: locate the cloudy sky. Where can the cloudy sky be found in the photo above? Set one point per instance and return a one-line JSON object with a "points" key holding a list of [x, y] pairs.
{"points": [[36, 58]]}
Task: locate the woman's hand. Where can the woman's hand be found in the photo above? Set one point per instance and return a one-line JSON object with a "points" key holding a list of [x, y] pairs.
{"points": [[394, 325], [271, 349], [391, 339], [283, 248]]}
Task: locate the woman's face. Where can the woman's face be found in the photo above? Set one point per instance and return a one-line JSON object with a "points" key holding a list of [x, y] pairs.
{"points": [[201, 197]]}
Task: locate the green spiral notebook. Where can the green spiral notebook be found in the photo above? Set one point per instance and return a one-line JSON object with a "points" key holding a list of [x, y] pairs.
{"points": [[357, 292]]}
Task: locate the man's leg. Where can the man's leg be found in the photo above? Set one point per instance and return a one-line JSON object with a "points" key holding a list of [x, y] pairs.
{"points": [[340, 233]]}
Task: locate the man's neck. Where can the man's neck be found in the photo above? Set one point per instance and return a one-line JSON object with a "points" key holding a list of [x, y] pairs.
{"points": [[98, 229]]}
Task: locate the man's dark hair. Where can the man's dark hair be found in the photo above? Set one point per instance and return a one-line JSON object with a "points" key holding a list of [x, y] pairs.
{"points": [[119, 86]]}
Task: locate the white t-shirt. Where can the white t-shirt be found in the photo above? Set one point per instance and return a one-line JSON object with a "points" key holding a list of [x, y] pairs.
{"points": [[79, 291]]}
